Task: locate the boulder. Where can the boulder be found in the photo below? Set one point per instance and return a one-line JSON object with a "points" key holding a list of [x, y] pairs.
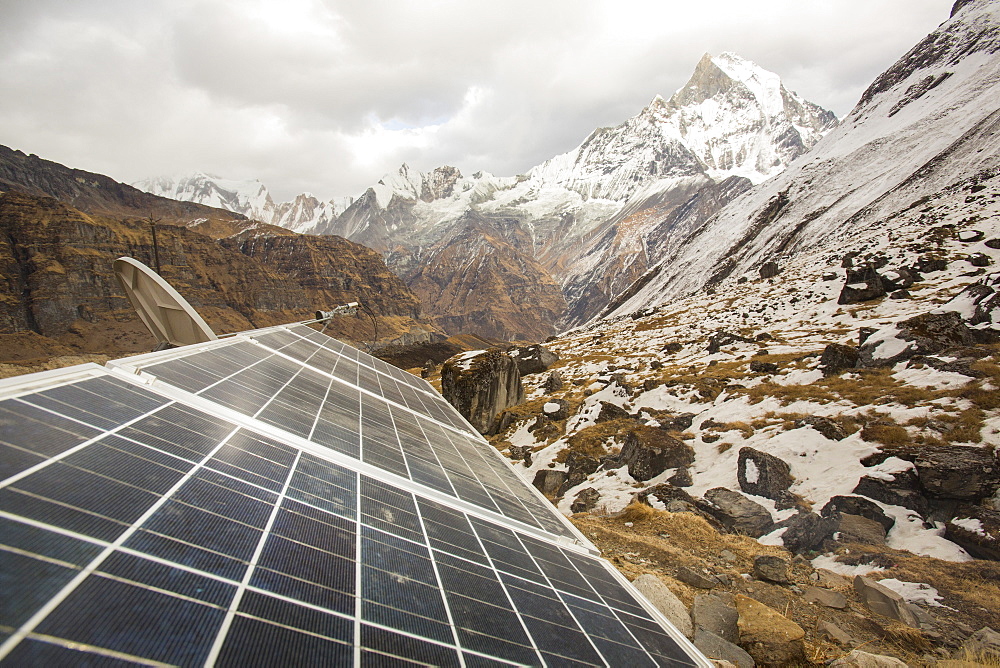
{"points": [[648, 452], [979, 303], [533, 359], [833, 632], [806, 531], [896, 489], [769, 270], [824, 597], [665, 601], [837, 358], [716, 612], [665, 493], [762, 474], [695, 578], [858, 505], [736, 512], [884, 601], [977, 530], [556, 409], [480, 384], [925, 334], [521, 452], [862, 284], [993, 243], [585, 501], [681, 477], [983, 645], [900, 279], [553, 382], [929, 263], [756, 366], [859, 659], [578, 467], [549, 481], [768, 636], [771, 568], [971, 236], [721, 649], [610, 411], [724, 338], [957, 471], [825, 426], [858, 529], [980, 260]]}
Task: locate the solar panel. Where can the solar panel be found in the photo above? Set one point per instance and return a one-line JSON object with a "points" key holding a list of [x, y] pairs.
{"points": [[143, 522]]}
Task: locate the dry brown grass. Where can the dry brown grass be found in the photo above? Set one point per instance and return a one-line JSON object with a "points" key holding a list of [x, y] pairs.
{"points": [[592, 440], [887, 434]]}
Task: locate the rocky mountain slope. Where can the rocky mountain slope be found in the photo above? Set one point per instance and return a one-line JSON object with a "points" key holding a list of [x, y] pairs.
{"points": [[594, 216], [58, 294]]}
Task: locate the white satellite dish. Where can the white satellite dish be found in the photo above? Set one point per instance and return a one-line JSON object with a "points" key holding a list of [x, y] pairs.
{"points": [[167, 315]]}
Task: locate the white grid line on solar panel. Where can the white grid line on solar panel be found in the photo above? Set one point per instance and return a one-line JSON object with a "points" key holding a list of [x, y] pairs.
{"points": [[68, 589], [424, 532], [517, 511]]}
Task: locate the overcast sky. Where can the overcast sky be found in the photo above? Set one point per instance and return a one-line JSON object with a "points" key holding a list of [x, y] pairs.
{"points": [[327, 96]]}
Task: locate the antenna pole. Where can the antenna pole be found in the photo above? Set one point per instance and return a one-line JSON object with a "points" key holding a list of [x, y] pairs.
{"points": [[156, 247]]}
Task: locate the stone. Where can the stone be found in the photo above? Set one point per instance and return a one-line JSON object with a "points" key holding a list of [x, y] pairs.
{"points": [[763, 474], [899, 294], [983, 645], [769, 270], [901, 489], [833, 632], [771, 568], [859, 659], [716, 612], [837, 358], [884, 601], [715, 647], [553, 382], [648, 452], [980, 260], [549, 481], [521, 452], [665, 493], [957, 471], [692, 577], [556, 409], [858, 529], [724, 338], [924, 334], [980, 301], [585, 501], [673, 347], [737, 513], [977, 530], [927, 263], [756, 366], [831, 579], [970, 236], [900, 279], [666, 602], [823, 425], [807, 531], [481, 385], [610, 411], [681, 477], [824, 597], [533, 359], [862, 284], [578, 468], [858, 505], [767, 635], [993, 243]]}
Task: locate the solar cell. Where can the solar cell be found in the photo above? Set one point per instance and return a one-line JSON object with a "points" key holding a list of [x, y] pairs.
{"points": [[169, 530]]}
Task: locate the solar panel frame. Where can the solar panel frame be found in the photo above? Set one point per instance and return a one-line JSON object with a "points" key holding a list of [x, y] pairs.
{"points": [[370, 642]]}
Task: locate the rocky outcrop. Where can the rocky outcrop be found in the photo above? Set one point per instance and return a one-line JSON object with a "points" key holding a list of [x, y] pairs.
{"points": [[648, 452], [480, 384], [977, 530], [925, 334]]}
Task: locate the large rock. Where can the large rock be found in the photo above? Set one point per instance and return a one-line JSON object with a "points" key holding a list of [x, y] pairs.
{"points": [[983, 645], [553, 382], [823, 425], [858, 505], [716, 613], [824, 597], [860, 659], [769, 270], [977, 529], [884, 601], [578, 467], [549, 481], [979, 303], [925, 334], [807, 531], [556, 409], [480, 384], [737, 513], [762, 474], [837, 358], [610, 411], [768, 636], [771, 568], [585, 501], [533, 359], [897, 489], [957, 472], [858, 529], [648, 452], [720, 649], [666, 602], [862, 284]]}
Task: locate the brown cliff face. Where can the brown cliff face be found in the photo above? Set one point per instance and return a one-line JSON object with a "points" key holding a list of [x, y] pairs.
{"points": [[480, 280], [56, 280]]}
